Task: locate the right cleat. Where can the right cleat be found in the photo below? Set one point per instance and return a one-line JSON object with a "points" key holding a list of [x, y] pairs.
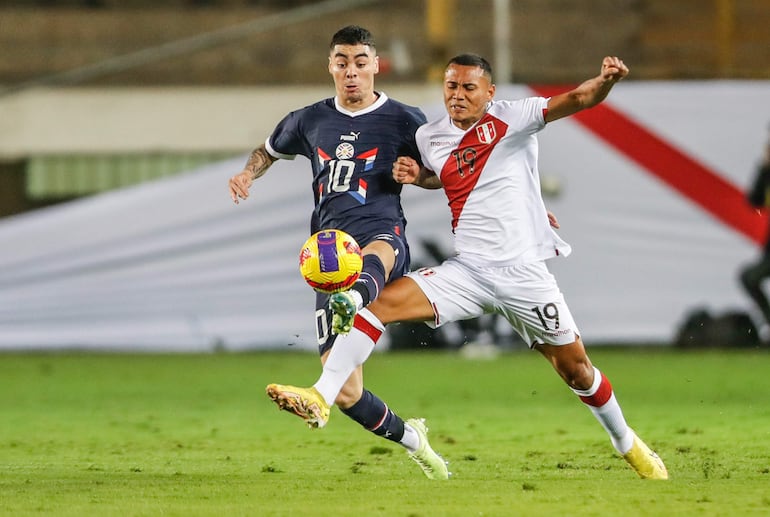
{"points": [[306, 403], [344, 308], [644, 461], [433, 465]]}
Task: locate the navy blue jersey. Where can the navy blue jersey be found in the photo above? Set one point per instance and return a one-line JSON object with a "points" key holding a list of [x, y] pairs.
{"points": [[352, 154]]}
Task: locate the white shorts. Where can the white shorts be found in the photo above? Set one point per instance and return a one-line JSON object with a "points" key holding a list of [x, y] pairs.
{"points": [[526, 295]]}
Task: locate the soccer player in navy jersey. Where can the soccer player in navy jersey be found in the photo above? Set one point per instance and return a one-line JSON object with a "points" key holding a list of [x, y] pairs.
{"points": [[483, 153], [352, 140]]}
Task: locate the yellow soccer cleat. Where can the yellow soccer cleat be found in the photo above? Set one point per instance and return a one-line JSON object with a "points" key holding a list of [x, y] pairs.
{"points": [[644, 461], [433, 465], [306, 403]]}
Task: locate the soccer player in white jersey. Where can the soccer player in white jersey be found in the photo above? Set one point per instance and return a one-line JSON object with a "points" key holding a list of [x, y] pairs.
{"points": [[484, 155]]}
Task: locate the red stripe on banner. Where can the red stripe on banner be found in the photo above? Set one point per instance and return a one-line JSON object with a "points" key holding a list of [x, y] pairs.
{"points": [[602, 395], [684, 174], [367, 328]]}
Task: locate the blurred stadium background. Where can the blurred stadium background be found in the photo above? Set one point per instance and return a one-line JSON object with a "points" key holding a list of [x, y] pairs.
{"points": [[126, 99]]}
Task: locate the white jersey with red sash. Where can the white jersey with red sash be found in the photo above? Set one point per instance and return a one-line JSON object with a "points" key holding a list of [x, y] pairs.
{"points": [[491, 181]]}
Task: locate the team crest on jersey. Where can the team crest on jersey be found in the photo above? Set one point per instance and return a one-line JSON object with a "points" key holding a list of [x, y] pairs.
{"points": [[486, 132], [344, 151]]}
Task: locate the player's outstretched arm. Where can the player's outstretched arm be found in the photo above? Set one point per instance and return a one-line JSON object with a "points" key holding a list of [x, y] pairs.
{"points": [[406, 170], [588, 94], [257, 164]]}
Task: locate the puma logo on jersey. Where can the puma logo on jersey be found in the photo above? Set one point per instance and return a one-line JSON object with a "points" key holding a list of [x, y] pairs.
{"points": [[352, 137]]}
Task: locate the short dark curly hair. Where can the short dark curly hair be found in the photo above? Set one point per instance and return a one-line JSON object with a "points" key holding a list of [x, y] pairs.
{"points": [[352, 35]]}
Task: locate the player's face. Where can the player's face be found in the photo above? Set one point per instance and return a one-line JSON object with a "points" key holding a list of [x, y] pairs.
{"points": [[467, 90], [353, 68]]}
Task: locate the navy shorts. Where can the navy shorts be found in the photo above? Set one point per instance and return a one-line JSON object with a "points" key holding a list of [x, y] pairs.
{"points": [[323, 316]]}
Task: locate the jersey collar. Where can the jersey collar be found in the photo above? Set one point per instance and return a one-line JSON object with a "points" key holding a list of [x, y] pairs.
{"points": [[381, 99]]}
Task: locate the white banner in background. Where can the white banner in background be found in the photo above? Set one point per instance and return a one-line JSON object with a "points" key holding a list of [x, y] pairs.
{"points": [[175, 265]]}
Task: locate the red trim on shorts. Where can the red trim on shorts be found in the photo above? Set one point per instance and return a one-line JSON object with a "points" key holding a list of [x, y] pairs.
{"points": [[367, 328], [601, 396]]}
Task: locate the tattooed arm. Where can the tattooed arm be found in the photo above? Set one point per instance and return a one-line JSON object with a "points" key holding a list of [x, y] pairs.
{"points": [[257, 164], [407, 171]]}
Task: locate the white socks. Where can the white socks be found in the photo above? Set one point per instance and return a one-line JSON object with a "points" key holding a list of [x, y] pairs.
{"points": [[411, 439], [349, 351], [600, 399], [357, 298]]}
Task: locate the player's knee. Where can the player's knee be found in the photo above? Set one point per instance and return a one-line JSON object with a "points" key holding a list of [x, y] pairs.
{"points": [[577, 373]]}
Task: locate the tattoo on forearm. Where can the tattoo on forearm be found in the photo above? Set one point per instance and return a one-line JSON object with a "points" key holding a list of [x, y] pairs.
{"points": [[428, 179], [258, 163]]}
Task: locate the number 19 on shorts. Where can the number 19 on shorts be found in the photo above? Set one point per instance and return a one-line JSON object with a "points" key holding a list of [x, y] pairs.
{"points": [[548, 315]]}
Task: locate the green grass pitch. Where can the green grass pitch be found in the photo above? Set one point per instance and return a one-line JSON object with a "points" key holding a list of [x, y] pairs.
{"points": [[187, 435]]}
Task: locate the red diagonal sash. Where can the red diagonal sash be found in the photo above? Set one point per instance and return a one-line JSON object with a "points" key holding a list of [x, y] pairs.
{"points": [[462, 169]]}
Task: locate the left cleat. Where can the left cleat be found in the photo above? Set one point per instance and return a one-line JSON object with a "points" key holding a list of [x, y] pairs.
{"points": [[431, 463], [644, 461], [344, 308], [306, 403]]}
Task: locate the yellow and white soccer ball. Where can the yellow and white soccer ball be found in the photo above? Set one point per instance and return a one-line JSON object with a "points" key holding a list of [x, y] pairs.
{"points": [[330, 261]]}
